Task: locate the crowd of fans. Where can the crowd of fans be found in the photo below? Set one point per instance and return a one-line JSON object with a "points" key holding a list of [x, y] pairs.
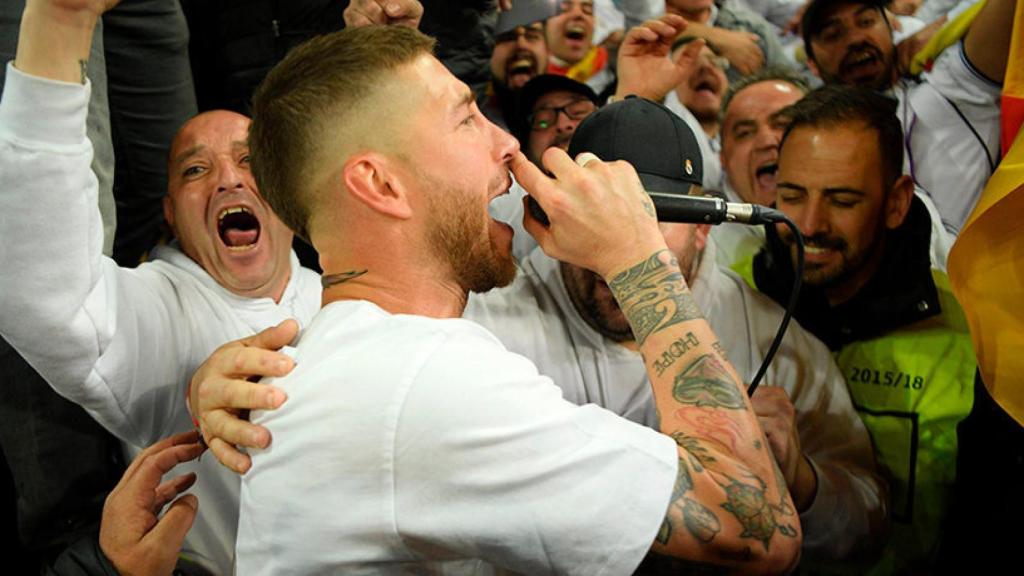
{"points": [[197, 194]]}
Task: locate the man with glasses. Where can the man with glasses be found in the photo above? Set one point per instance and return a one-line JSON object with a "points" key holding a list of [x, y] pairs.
{"points": [[520, 53], [571, 43]]}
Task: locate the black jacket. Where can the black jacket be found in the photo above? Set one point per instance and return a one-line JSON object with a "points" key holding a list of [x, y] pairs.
{"points": [[901, 292]]}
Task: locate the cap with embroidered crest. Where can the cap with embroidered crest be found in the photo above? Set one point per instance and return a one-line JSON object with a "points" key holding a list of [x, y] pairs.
{"points": [[658, 143]]}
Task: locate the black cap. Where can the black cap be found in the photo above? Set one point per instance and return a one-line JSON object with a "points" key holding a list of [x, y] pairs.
{"points": [[539, 86], [524, 13], [657, 142], [817, 10]]}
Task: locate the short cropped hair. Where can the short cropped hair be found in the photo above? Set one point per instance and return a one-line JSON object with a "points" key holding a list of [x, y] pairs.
{"points": [[768, 74], [836, 105], [307, 97]]}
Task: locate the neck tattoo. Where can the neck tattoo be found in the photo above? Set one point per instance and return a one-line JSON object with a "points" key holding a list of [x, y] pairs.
{"points": [[329, 280]]}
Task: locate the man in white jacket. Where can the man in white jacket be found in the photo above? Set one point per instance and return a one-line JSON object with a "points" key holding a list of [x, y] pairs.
{"points": [[124, 342]]}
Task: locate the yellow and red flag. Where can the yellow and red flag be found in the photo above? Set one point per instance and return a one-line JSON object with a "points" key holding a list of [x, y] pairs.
{"points": [[986, 265]]}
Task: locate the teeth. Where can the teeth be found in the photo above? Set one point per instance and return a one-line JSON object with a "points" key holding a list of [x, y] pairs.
{"points": [[522, 63], [813, 250], [233, 210]]}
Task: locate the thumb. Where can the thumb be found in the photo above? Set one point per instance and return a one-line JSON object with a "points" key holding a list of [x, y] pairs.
{"points": [[275, 337], [686, 60], [175, 524]]}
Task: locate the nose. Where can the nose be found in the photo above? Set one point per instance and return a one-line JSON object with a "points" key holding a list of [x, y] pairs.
{"points": [[768, 136], [521, 42], [811, 217], [230, 176], [505, 145], [563, 123]]}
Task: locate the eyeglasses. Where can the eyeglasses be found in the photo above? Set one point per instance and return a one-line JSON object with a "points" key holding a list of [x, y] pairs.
{"points": [[720, 62], [544, 118], [587, 6], [533, 33]]}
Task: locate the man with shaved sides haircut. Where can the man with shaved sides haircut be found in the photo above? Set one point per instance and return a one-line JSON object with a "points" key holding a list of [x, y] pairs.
{"points": [[124, 342], [413, 441]]}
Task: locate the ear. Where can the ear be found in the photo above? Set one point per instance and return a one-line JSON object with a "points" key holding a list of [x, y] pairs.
{"points": [[700, 235], [897, 205], [813, 66], [169, 213], [376, 181]]}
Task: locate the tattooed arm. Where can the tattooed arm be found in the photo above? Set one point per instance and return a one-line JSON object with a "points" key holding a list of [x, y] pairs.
{"points": [[730, 508]]}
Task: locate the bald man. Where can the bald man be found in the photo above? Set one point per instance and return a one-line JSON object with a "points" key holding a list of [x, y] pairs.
{"points": [[123, 342]]}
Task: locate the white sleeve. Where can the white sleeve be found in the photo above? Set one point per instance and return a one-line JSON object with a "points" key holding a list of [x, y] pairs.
{"points": [[848, 513], [539, 485], [91, 329]]}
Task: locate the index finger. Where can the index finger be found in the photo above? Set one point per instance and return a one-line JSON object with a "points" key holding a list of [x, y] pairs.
{"points": [[535, 182], [189, 437], [154, 466]]}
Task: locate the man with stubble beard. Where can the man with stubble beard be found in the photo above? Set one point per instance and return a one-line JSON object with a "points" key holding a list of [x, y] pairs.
{"points": [[412, 439], [520, 53], [872, 296], [950, 115], [566, 319]]}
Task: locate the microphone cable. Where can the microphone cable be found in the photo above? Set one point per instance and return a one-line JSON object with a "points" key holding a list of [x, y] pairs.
{"points": [[773, 215]]}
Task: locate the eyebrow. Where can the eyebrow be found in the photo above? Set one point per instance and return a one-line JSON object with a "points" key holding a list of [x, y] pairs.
{"points": [[830, 191], [466, 101], [742, 124], [187, 154], [833, 19]]}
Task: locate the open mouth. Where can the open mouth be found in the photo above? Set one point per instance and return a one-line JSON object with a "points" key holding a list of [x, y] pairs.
{"points": [[238, 228], [860, 61], [766, 175], [574, 31], [708, 87], [521, 68]]}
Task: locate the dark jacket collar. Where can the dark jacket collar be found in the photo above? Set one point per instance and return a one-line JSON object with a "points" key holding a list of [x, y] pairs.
{"points": [[901, 292]]}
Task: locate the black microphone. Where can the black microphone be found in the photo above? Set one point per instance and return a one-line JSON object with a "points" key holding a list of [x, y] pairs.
{"points": [[692, 210]]}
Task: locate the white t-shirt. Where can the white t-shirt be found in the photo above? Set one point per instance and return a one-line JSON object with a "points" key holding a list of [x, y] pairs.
{"points": [[535, 317], [951, 133], [414, 445]]}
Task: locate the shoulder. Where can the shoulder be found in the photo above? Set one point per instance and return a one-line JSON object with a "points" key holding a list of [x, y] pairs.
{"points": [[956, 79]]}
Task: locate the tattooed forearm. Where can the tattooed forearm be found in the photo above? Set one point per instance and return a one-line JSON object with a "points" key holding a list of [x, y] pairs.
{"points": [[717, 347], [675, 351], [760, 520], [706, 382], [699, 455], [699, 521], [653, 296]]}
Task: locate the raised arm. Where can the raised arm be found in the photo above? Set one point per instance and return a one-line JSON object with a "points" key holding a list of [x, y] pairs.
{"points": [[730, 507], [987, 43], [78, 319]]}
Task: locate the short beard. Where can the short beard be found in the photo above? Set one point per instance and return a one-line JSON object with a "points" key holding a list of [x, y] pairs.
{"points": [[476, 264]]}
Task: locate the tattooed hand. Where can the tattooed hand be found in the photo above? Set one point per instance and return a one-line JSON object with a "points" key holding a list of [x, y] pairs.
{"points": [[600, 217]]}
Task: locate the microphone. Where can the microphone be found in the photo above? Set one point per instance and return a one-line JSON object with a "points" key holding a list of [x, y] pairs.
{"points": [[692, 210], [709, 210]]}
